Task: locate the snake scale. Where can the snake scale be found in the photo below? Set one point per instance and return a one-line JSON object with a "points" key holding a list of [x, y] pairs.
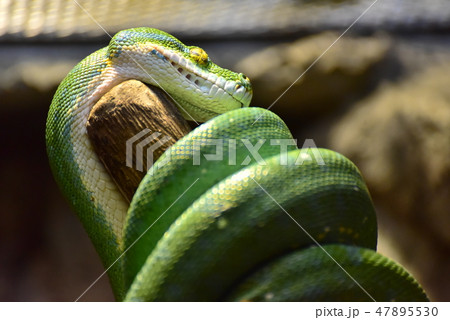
{"points": [[267, 222]]}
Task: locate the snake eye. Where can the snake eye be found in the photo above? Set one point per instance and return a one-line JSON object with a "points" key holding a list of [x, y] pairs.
{"points": [[199, 55], [243, 76]]}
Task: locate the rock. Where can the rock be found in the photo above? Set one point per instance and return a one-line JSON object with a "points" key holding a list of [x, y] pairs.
{"points": [[318, 85]]}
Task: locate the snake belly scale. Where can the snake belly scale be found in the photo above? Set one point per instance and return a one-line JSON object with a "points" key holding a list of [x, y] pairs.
{"points": [[231, 236]]}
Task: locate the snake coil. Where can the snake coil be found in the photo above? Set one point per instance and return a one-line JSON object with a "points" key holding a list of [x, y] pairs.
{"points": [[234, 210]]}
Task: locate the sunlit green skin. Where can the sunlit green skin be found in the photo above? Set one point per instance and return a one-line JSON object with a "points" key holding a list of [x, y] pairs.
{"points": [[202, 244]]}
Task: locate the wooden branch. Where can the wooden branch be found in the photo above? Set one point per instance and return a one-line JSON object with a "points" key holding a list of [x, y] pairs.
{"points": [[129, 114]]}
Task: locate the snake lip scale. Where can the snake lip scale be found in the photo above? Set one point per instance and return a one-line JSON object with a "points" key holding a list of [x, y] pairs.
{"points": [[208, 83], [223, 237]]}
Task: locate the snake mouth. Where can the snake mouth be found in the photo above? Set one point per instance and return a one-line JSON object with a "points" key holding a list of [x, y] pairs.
{"points": [[206, 114], [210, 84]]}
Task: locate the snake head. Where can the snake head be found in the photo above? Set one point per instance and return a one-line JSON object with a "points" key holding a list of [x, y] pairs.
{"points": [[200, 88]]}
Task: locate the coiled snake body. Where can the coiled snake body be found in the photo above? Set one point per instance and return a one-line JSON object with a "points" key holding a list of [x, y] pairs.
{"points": [[245, 227]]}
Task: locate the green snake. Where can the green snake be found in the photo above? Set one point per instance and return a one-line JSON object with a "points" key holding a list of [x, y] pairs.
{"points": [[267, 222]]}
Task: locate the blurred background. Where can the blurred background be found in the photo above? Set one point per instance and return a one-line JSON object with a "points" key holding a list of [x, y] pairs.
{"points": [[380, 95]]}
